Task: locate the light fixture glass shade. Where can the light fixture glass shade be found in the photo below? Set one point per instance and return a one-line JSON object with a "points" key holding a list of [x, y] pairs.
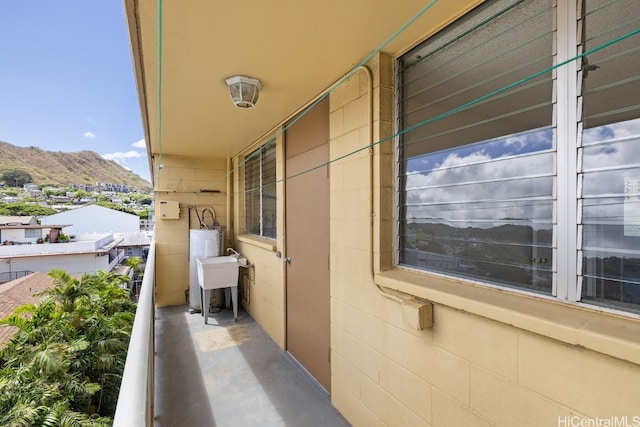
{"points": [[244, 90]]}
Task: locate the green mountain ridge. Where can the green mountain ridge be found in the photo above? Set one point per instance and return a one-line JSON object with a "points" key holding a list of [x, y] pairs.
{"points": [[66, 168]]}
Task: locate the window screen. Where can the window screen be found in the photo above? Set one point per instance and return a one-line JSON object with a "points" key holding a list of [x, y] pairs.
{"points": [[260, 191], [476, 161], [31, 233]]}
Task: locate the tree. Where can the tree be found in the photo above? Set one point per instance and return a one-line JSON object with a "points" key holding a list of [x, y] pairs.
{"points": [[142, 199], [81, 193], [135, 262], [24, 209], [65, 364], [116, 207], [16, 177]]}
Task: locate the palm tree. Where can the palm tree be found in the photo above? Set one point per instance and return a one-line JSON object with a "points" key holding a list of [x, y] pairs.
{"points": [[64, 366]]}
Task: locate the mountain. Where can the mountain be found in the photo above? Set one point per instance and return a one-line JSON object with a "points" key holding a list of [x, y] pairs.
{"points": [[60, 168]]}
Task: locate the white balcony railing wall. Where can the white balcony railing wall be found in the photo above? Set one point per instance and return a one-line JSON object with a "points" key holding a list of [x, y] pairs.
{"points": [[135, 402]]}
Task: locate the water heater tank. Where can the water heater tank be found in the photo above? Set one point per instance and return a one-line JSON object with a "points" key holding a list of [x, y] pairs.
{"points": [[202, 244]]}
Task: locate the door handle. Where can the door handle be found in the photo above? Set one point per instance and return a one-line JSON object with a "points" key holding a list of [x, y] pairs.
{"points": [[287, 260]]}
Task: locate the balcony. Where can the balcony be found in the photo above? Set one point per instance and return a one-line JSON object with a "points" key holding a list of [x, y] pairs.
{"points": [[225, 373]]}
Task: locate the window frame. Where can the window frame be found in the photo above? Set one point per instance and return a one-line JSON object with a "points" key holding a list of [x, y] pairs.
{"points": [[567, 283], [258, 155], [33, 233]]}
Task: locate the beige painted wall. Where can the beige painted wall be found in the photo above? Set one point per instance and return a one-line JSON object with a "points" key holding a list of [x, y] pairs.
{"points": [[181, 179]]}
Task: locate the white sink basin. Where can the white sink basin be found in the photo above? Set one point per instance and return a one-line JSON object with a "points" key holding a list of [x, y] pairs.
{"points": [[215, 273], [218, 272]]}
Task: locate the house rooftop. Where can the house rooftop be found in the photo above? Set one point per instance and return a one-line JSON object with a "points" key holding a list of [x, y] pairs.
{"points": [[85, 243], [32, 226], [133, 239], [17, 220], [24, 290]]}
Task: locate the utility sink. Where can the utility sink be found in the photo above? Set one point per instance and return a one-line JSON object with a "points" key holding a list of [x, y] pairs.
{"points": [[215, 273], [218, 272]]}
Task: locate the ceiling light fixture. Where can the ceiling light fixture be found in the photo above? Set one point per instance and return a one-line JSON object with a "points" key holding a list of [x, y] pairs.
{"points": [[244, 91]]}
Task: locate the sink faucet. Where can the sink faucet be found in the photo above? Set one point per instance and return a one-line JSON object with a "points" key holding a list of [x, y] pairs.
{"points": [[236, 254]]}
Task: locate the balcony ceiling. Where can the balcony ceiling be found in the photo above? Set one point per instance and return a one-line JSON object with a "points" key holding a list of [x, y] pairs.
{"points": [[296, 48]]}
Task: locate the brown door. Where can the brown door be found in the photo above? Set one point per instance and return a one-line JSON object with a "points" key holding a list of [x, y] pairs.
{"points": [[307, 242]]}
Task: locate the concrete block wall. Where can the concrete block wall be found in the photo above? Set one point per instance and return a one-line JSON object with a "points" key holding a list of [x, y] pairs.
{"points": [[265, 282], [467, 369], [181, 179]]}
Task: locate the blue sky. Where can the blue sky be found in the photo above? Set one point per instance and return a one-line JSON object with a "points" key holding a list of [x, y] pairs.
{"points": [[66, 79]]}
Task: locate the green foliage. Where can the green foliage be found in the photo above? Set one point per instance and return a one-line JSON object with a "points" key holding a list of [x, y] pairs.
{"points": [[43, 185], [142, 199], [15, 177], [52, 191], [103, 200], [64, 365], [115, 207], [134, 262], [81, 193], [25, 209]]}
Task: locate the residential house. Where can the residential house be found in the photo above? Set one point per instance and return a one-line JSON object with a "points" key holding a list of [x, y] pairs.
{"points": [[134, 244], [20, 230], [432, 194], [60, 199], [147, 224], [32, 190], [95, 219], [87, 253]]}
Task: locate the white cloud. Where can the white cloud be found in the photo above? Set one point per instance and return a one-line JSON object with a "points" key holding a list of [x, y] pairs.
{"points": [[120, 156], [89, 135], [140, 144], [478, 187]]}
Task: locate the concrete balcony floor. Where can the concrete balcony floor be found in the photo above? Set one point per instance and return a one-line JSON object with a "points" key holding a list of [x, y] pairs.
{"points": [[230, 373]]}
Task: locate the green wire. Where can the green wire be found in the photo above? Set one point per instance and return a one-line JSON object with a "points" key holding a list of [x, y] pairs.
{"points": [[353, 71], [468, 104], [159, 88]]}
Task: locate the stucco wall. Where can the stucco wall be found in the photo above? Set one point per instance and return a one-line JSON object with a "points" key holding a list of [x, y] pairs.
{"points": [[181, 179], [71, 263], [467, 369], [18, 235]]}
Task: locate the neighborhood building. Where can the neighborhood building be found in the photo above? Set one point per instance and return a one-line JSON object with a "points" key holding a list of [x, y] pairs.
{"points": [[95, 219], [134, 244], [20, 230], [86, 253], [28, 246]]}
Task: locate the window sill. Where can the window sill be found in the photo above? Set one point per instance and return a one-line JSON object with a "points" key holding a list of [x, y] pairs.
{"points": [[608, 333], [260, 242]]}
